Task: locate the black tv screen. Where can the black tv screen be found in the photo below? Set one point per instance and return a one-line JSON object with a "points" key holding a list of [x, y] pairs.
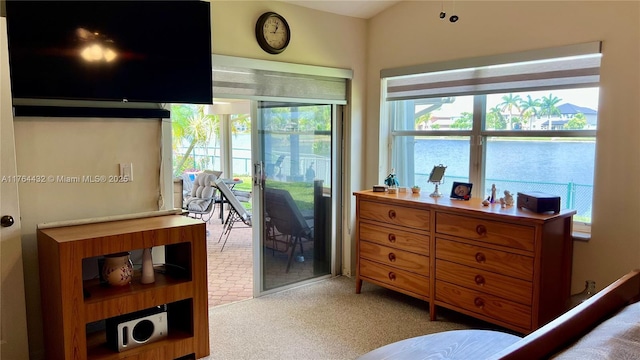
{"points": [[134, 51]]}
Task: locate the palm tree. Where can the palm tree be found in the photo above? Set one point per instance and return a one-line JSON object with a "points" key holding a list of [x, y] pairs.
{"points": [[423, 119], [278, 119], [240, 121], [314, 118], [495, 120], [529, 109], [510, 102], [190, 123], [548, 107]]}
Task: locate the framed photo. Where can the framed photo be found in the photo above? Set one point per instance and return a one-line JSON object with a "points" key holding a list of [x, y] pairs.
{"points": [[461, 190]]}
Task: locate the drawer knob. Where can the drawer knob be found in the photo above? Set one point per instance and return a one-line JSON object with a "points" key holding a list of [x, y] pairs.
{"points": [[392, 276], [478, 302], [392, 214], [481, 230], [392, 257], [480, 257], [479, 279], [392, 238]]}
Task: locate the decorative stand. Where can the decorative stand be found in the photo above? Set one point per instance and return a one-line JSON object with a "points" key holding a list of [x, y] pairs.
{"points": [[436, 192], [435, 177]]}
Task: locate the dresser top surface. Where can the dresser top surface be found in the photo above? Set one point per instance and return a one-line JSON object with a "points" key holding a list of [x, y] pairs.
{"points": [[471, 206]]}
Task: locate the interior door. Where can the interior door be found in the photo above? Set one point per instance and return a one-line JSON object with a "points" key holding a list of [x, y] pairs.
{"points": [[294, 183], [13, 320]]}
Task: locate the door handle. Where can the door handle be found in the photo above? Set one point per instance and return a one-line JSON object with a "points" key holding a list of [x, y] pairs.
{"points": [[6, 221], [258, 179]]}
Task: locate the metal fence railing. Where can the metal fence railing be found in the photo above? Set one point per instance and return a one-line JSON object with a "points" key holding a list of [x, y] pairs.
{"points": [[242, 166]]}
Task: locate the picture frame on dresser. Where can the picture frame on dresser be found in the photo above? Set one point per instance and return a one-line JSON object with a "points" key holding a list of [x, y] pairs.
{"points": [[461, 190]]}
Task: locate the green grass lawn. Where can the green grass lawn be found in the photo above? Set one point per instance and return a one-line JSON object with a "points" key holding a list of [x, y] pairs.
{"points": [[301, 192]]}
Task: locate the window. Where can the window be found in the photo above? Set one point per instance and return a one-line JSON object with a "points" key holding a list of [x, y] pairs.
{"points": [[195, 140], [524, 122]]}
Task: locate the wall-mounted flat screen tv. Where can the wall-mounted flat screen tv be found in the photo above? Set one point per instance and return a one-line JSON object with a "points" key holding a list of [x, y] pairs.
{"points": [[132, 51]]}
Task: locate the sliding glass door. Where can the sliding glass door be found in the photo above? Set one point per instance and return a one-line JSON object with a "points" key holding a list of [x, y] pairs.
{"points": [[294, 182], [296, 117]]}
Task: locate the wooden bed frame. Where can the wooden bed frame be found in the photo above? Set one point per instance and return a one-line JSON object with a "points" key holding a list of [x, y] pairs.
{"points": [[569, 327]]}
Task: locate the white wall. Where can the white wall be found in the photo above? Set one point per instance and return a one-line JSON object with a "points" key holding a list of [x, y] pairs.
{"points": [[411, 33], [78, 147]]}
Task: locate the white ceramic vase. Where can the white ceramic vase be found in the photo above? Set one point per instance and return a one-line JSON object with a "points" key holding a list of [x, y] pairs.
{"points": [[148, 276]]}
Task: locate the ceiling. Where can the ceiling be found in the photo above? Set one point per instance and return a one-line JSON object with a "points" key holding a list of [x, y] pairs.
{"points": [[364, 9]]}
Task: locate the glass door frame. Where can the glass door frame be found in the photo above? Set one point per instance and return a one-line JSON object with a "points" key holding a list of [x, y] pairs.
{"points": [[337, 141]]}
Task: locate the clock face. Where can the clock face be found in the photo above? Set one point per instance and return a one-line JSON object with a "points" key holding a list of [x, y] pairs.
{"points": [[273, 33]]}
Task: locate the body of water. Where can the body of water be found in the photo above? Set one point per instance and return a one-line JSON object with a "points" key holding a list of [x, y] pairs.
{"points": [[562, 168], [539, 161]]}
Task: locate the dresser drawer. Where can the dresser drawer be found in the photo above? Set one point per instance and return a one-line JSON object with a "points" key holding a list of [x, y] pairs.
{"points": [[481, 303], [397, 258], [395, 277], [397, 215], [506, 287], [496, 261], [396, 238], [494, 232]]}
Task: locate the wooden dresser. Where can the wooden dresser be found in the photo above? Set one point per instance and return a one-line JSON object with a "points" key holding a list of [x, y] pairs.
{"points": [[507, 266]]}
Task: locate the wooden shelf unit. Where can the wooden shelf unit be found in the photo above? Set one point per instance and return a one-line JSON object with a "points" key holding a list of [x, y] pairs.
{"points": [[66, 311]]}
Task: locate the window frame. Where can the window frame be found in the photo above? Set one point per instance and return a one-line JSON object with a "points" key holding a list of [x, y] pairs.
{"points": [[478, 135]]}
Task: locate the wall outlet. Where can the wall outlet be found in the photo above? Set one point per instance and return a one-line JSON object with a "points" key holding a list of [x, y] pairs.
{"points": [[126, 171]]}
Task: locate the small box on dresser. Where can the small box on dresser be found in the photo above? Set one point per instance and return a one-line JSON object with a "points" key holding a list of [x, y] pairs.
{"points": [[538, 202]]}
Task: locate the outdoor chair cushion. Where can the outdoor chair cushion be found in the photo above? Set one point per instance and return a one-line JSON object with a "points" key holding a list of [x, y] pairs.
{"points": [[201, 193], [243, 196]]}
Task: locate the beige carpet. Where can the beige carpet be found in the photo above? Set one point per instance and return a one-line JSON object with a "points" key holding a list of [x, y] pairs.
{"points": [[324, 320]]}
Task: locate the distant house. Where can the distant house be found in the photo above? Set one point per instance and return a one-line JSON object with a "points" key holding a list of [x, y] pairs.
{"points": [[568, 111], [443, 118], [441, 122]]}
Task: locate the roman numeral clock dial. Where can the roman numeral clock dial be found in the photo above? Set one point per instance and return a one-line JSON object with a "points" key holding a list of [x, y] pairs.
{"points": [[272, 33]]}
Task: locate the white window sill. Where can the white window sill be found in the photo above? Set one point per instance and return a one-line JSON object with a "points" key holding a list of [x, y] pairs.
{"points": [[581, 236], [581, 231]]}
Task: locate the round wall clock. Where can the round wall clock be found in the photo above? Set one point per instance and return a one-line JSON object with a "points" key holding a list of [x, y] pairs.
{"points": [[272, 32]]}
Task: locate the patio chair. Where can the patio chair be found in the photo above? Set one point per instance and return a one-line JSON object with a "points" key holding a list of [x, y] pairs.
{"points": [[237, 212], [217, 198], [285, 220], [243, 196], [271, 168], [200, 203], [187, 185]]}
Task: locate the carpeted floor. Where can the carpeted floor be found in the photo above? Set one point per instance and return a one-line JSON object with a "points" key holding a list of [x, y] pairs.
{"points": [[325, 320]]}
